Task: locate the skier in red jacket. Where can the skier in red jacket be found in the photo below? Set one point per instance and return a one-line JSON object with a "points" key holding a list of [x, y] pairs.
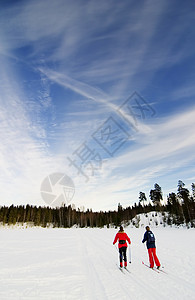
{"points": [[122, 237]]}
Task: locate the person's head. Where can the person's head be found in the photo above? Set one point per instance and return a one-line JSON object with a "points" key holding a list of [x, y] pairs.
{"points": [[147, 228], [121, 228]]}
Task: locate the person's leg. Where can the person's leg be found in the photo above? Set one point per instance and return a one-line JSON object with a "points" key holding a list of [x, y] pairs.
{"points": [[151, 258], [121, 257], [125, 255], [155, 257]]}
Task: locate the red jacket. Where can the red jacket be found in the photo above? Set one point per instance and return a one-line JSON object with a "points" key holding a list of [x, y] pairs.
{"points": [[121, 237]]}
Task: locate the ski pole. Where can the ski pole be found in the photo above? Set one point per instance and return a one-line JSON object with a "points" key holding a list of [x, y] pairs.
{"points": [[119, 252], [129, 254]]}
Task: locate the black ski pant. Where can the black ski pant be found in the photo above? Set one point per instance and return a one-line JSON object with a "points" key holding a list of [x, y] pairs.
{"points": [[122, 254]]}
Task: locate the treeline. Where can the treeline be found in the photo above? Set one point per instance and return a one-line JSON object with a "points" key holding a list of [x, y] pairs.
{"points": [[66, 216], [180, 208]]}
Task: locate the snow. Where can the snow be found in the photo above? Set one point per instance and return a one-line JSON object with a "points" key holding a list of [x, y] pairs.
{"points": [[153, 219], [80, 264]]}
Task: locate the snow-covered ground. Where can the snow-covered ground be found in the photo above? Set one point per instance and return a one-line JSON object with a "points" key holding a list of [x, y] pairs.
{"points": [[80, 264]]}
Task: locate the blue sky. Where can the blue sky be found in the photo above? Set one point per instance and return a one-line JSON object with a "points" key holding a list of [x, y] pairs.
{"points": [[74, 75]]}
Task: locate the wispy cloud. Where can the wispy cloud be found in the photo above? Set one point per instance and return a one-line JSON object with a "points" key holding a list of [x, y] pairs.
{"points": [[157, 156], [25, 156], [168, 137]]}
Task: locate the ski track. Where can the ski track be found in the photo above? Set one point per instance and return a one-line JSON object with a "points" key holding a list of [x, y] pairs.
{"points": [[108, 271], [80, 264], [95, 288]]}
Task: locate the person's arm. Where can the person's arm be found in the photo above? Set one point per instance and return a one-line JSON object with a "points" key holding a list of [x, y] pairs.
{"points": [[145, 237], [116, 238], [128, 239]]}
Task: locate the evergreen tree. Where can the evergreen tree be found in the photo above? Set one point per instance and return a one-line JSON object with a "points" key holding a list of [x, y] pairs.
{"points": [[142, 198], [119, 215], [175, 209], [193, 191], [183, 194], [156, 195], [37, 219]]}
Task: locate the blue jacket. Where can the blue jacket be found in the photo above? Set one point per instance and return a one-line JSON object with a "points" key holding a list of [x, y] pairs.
{"points": [[148, 244]]}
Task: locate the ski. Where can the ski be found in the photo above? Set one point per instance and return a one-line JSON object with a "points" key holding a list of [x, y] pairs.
{"points": [[122, 271], [156, 270], [162, 271], [127, 270]]}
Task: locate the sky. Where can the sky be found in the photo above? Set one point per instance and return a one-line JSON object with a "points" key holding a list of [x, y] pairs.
{"points": [[101, 92]]}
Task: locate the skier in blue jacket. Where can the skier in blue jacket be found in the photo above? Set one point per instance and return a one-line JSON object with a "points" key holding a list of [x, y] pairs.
{"points": [[149, 238]]}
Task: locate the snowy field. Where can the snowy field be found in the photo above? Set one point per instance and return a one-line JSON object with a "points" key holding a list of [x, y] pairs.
{"points": [[78, 264]]}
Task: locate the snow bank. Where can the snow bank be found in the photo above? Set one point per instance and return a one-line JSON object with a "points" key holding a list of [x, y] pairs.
{"points": [[153, 219]]}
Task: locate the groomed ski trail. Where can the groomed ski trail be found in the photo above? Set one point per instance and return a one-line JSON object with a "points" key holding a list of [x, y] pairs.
{"points": [[102, 256]]}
